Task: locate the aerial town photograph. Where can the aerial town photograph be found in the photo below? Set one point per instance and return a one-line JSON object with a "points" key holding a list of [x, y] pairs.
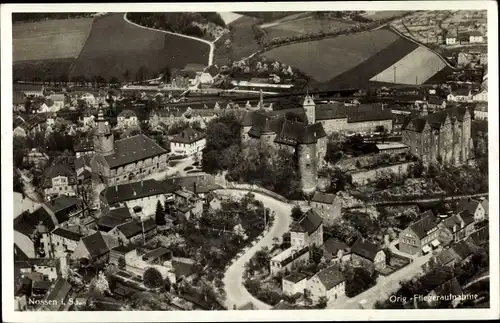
{"points": [[257, 160]]}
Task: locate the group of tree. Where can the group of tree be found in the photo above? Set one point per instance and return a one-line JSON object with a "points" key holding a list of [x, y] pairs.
{"points": [[359, 279], [39, 16], [160, 214], [178, 22]]}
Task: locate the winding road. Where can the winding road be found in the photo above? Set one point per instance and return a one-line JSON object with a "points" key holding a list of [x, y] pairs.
{"points": [[236, 293]]}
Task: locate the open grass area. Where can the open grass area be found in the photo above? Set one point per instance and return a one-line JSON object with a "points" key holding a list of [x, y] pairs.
{"points": [[40, 69], [49, 39], [325, 59], [242, 38], [415, 68], [302, 25], [115, 46]]}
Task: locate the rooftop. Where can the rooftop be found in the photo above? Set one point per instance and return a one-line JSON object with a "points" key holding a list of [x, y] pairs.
{"points": [[57, 295], [132, 191], [424, 225], [71, 235], [320, 197], [95, 244], [333, 245], [132, 149], [331, 277], [289, 255], [188, 136], [127, 114], [309, 222], [391, 145], [295, 277], [57, 170], [156, 253], [123, 249], [365, 249]]}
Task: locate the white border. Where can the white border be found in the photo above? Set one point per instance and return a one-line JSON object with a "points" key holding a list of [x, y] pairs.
{"points": [[222, 316]]}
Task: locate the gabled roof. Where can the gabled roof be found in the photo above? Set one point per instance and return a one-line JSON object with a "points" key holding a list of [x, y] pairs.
{"points": [[331, 111], [188, 136], [57, 295], [461, 249], [26, 222], [133, 228], [57, 170], [68, 234], [435, 120], [480, 236], [194, 67], [309, 222], [62, 203], [156, 253], [368, 112], [123, 249], [426, 223], [132, 191], [450, 287], [365, 249], [127, 114], [331, 277], [435, 278], [469, 205], [320, 197], [95, 244], [333, 245], [467, 217], [133, 149]]}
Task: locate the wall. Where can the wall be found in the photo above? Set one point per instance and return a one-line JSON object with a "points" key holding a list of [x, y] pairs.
{"points": [[139, 170], [363, 177], [369, 126], [276, 268], [316, 287], [291, 288], [308, 167]]}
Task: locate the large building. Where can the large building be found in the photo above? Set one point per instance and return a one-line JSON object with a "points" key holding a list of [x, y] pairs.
{"points": [[444, 135], [124, 160]]}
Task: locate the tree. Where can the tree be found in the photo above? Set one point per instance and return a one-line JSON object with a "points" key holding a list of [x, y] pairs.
{"points": [[322, 302], [122, 263], [316, 254], [114, 80], [296, 213], [18, 183], [167, 74], [160, 214], [153, 278]]}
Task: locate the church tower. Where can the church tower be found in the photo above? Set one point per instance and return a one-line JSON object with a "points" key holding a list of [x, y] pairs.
{"points": [[310, 109], [103, 136]]}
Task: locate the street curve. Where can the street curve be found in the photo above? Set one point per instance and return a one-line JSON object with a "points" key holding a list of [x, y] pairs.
{"points": [[209, 43], [236, 293]]}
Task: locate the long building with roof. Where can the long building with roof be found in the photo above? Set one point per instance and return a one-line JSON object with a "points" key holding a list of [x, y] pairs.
{"points": [[444, 135], [124, 160]]}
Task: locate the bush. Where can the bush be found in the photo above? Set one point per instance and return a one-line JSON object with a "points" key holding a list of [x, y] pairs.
{"points": [[153, 278]]}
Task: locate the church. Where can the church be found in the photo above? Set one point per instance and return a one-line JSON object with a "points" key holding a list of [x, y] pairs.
{"points": [[125, 160]]}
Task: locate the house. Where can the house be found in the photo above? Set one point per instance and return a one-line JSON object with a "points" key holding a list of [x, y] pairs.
{"points": [[206, 79], [84, 146], [450, 289], [57, 298], [294, 283], [158, 256], [64, 207], [36, 157], [459, 226], [473, 207], [460, 95], [308, 230], [59, 179], [476, 37], [486, 207], [334, 249], [94, 247], [364, 253], [325, 204], [482, 96], [48, 267], [457, 253], [213, 202], [57, 100], [144, 194], [30, 90], [119, 252], [392, 148], [134, 231], [114, 218], [127, 118], [450, 39], [417, 237], [435, 103], [188, 143], [329, 283], [289, 259], [39, 288], [481, 112], [60, 241]]}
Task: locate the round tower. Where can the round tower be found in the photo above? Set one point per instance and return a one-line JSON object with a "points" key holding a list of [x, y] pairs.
{"points": [[308, 168], [103, 136]]}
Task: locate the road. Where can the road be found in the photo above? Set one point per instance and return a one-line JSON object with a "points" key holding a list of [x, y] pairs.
{"points": [[384, 288], [236, 293]]}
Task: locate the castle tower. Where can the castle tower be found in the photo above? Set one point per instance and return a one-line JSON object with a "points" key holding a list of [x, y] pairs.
{"points": [[308, 168], [103, 136], [310, 109]]}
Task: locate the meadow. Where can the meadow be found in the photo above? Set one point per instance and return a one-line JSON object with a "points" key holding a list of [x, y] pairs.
{"points": [[302, 25], [327, 58], [115, 46], [49, 39]]}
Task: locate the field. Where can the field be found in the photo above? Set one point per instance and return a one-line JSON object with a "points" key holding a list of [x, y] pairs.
{"points": [[50, 39], [379, 15], [302, 25], [325, 59], [115, 46], [40, 69], [415, 68], [243, 42]]}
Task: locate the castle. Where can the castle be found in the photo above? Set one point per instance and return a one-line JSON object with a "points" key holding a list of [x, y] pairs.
{"points": [[124, 160], [444, 135], [307, 139]]}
